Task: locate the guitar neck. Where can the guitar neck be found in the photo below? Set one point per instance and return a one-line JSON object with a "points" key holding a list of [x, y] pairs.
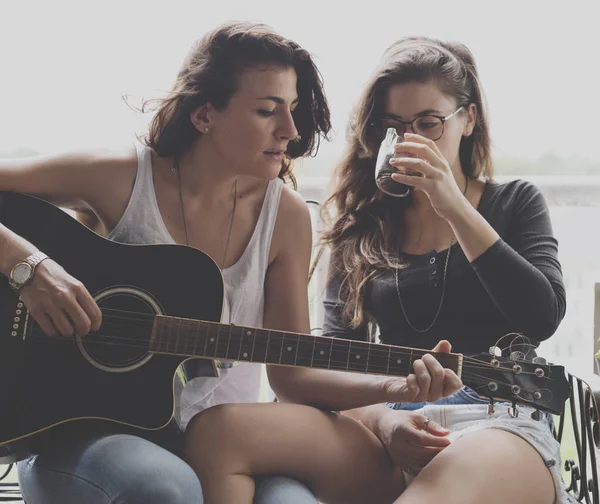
{"points": [[181, 336]]}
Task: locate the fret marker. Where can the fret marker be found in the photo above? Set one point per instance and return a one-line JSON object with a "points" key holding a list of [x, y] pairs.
{"points": [[399, 361], [289, 349], [245, 355], [322, 352], [358, 356], [249, 333], [212, 340]]}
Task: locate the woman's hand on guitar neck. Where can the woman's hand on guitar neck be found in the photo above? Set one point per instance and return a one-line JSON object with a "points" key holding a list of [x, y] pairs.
{"points": [[429, 382], [59, 303]]}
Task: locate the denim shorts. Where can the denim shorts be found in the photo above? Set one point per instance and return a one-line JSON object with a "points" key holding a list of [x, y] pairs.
{"points": [[466, 412]]}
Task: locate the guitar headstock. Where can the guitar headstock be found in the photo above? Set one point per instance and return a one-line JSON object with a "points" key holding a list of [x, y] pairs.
{"points": [[531, 382]]}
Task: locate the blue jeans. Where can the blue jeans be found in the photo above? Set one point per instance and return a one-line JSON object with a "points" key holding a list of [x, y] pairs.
{"points": [[464, 396], [126, 469]]}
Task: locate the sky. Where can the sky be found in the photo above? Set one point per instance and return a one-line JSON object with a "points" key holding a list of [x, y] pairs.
{"points": [[66, 65]]}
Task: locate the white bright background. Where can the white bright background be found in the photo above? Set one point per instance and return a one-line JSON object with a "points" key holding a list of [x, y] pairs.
{"points": [[66, 64]]}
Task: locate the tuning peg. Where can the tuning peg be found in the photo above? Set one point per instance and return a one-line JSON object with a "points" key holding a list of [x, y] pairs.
{"points": [[490, 408], [538, 360], [536, 415], [517, 356], [495, 351], [513, 412]]}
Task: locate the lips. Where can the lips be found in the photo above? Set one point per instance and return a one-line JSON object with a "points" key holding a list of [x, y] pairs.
{"points": [[275, 154]]}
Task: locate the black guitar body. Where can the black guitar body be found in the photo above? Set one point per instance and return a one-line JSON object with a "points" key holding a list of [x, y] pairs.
{"points": [[47, 381]]}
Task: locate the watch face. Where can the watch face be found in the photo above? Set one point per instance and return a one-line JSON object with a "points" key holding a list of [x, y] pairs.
{"points": [[21, 273]]}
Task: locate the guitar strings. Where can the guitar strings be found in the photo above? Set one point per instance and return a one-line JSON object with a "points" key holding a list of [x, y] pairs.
{"points": [[258, 331], [373, 350], [343, 364]]}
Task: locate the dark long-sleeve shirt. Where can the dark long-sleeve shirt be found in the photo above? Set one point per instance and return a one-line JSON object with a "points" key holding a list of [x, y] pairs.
{"points": [[514, 286]]}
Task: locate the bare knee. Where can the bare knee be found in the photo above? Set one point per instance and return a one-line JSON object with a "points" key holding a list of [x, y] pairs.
{"points": [[215, 421], [210, 435]]}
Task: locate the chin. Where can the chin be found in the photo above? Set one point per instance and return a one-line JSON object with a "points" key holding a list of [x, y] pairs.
{"points": [[261, 169], [268, 171]]}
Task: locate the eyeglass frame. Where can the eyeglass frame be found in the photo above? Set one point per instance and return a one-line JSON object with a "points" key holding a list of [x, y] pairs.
{"points": [[441, 118]]}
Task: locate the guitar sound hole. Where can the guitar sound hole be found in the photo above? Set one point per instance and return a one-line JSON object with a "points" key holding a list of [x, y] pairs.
{"points": [[123, 340]]}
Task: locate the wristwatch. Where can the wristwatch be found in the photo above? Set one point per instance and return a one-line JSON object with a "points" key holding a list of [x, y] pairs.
{"points": [[23, 271]]}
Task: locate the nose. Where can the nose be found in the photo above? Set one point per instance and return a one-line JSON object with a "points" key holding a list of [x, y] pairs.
{"points": [[406, 126], [287, 127]]}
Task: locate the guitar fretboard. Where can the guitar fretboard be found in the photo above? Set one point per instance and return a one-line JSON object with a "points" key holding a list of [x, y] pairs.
{"points": [[180, 336]]}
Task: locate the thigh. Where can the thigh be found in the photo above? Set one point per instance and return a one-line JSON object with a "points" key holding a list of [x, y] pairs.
{"points": [[279, 490], [489, 465], [107, 469], [338, 458]]}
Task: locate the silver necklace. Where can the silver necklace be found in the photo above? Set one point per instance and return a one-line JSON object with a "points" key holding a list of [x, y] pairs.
{"points": [[439, 309], [175, 169]]}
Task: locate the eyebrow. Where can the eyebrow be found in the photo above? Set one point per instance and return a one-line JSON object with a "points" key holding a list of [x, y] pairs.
{"points": [[277, 99], [421, 113]]}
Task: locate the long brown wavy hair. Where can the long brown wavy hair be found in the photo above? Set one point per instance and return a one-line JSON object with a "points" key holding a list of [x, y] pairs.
{"points": [[210, 74], [366, 230]]}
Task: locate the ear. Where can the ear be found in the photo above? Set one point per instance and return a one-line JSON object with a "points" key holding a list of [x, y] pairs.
{"points": [[471, 119], [200, 118]]}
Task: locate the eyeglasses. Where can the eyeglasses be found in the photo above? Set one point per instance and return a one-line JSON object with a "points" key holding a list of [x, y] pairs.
{"points": [[429, 126]]}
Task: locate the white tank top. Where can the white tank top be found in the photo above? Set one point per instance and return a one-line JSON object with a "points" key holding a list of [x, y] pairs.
{"points": [[244, 286]]}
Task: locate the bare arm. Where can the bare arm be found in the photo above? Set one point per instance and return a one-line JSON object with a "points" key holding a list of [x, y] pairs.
{"points": [[95, 184], [84, 181], [286, 308], [13, 249]]}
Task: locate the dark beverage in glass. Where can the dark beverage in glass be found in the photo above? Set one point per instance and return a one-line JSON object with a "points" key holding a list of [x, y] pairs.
{"points": [[384, 170]]}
